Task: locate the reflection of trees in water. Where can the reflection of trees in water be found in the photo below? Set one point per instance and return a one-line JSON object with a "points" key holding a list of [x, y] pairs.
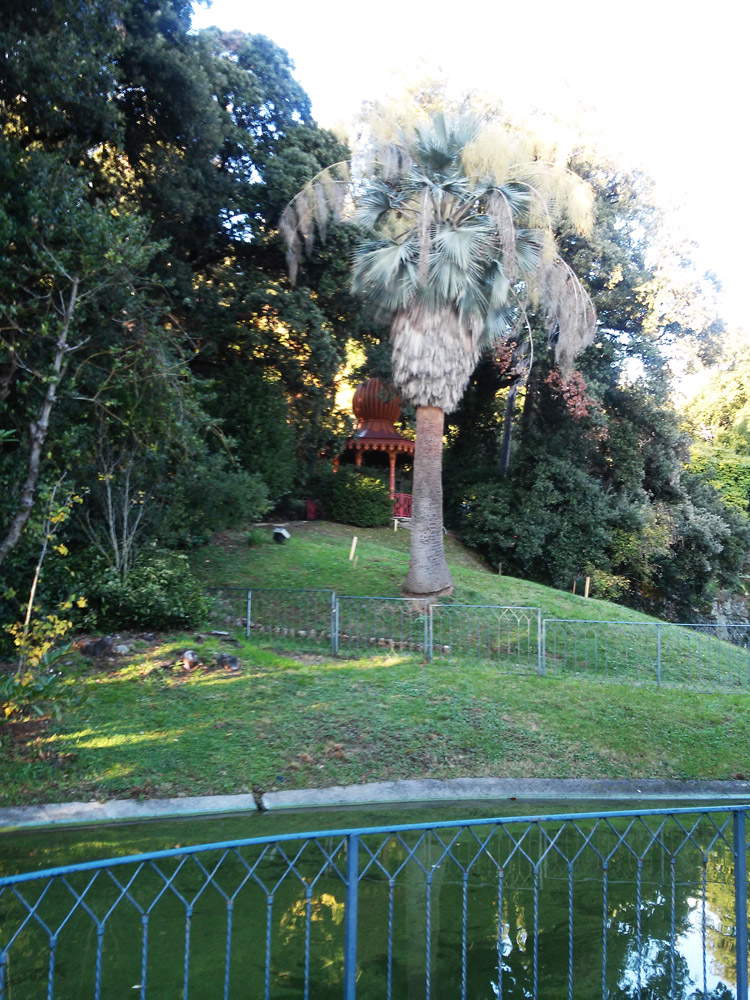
{"points": [[483, 908], [649, 904], [720, 896]]}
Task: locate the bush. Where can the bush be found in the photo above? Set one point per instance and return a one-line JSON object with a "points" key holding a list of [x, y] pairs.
{"points": [[207, 497], [258, 536], [352, 498], [546, 528], [159, 592]]}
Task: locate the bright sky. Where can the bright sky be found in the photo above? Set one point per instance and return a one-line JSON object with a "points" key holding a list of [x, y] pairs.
{"points": [[659, 84]]}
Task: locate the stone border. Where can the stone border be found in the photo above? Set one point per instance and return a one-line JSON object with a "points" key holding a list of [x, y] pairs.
{"points": [[393, 792], [476, 789], [66, 813]]}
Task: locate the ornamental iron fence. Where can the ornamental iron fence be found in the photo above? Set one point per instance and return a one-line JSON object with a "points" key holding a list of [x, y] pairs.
{"points": [[649, 904]]}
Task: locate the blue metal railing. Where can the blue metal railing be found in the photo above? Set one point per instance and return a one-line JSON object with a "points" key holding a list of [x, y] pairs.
{"points": [[634, 903]]}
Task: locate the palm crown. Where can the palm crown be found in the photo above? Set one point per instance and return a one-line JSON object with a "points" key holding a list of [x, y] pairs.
{"points": [[456, 217]]}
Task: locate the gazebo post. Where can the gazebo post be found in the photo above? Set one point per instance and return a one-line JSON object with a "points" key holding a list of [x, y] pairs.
{"points": [[358, 458], [392, 471]]}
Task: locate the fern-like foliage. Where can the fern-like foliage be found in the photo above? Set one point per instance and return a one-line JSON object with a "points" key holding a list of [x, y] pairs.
{"points": [[456, 217]]}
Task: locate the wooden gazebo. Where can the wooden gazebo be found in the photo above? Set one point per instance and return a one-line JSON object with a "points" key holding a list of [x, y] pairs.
{"points": [[376, 408]]}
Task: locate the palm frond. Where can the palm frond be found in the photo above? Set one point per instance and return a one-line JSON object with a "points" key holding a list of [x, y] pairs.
{"points": [[385, 272], [569, 313], [325, 198], [501, 210]]}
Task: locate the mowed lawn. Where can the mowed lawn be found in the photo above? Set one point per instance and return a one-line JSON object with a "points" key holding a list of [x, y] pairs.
{"points": [[145, 728], [140, 725]]}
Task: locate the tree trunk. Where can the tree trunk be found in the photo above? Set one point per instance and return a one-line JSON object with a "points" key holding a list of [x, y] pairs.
{"points": [[428, 571], [38, 431], [510, 409]]}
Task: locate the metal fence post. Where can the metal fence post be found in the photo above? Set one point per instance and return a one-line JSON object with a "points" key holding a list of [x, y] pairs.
{"points": [[334, 623], [739, 849], [248, 613], [428, 634], [350, 917], [539, 643], [658, 654], [542, 654]]}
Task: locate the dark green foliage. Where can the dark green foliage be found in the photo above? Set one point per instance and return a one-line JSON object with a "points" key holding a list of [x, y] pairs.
{"points": [[548, 526], [159, 592], [255, 415], [351, 497], [206, 497], [597, 483], [158, 159]]}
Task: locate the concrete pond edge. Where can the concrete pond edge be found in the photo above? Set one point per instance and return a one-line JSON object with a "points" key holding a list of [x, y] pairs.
{"points": [[411, 791]]}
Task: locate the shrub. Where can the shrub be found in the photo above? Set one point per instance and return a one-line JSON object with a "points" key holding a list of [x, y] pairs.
{"points": [[159, 592], [207, 497], [547, 528], [36, 690], [257, 536], [607, 586], [352, 498]]}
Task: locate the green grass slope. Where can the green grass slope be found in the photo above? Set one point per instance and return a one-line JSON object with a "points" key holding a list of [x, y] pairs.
{"points": [[318, 556], [141, 726]]}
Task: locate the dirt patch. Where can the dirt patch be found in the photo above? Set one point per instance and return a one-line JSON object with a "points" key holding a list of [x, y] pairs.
{"points": [[25, 731], [313, 659]]}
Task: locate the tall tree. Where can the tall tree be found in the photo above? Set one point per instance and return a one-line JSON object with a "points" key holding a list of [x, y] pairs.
{"points": [[455, 216]]}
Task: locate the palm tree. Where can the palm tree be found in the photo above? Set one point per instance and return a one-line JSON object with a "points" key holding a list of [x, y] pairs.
{"points": [[456, 218]]}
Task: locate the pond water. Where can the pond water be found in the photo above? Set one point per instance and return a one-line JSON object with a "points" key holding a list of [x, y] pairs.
{"points": [[620, 909]]}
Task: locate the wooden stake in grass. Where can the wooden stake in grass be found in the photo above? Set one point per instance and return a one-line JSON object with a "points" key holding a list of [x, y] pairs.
{"points": [[353, 549], [586, 588]]}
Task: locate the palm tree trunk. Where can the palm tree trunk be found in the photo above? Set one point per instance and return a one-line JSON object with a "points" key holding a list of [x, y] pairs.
{"points": [[510, 409], [428, 571]]}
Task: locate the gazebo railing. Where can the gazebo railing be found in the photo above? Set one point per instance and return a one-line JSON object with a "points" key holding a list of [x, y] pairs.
{"points": [[401, 504]]}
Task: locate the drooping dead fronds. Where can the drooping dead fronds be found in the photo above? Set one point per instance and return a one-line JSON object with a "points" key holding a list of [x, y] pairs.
{"points": [[569, 313], [326, 198], [434, 353], [500, 211]]}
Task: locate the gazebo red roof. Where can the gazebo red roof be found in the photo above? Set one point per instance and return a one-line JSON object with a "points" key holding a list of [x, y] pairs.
{"points": [[376, 407]]}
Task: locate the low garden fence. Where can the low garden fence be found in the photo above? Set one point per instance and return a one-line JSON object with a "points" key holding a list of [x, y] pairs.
{"points": [[510, 635], [692, 655], [649, 904], [515, 638], [395, 623], [283, 612]]}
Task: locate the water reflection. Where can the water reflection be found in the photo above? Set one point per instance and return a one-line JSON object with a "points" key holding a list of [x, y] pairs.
{"points": [[617, 909]]}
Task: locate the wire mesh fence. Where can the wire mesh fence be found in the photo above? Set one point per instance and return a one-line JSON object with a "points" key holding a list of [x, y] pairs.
{"points": [[304, 615], [515, 638], [392, 623], [691, 655], [509, 635], [647, 904]]}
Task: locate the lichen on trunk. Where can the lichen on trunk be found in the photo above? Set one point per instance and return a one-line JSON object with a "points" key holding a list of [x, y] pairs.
{"points": [[428, 574]]}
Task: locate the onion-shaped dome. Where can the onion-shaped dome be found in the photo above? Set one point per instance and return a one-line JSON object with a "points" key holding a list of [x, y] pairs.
{"points": [[375, 401], [376, 406]]}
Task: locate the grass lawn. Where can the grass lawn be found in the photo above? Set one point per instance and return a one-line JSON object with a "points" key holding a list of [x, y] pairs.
{"points": [[140, 726]]}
